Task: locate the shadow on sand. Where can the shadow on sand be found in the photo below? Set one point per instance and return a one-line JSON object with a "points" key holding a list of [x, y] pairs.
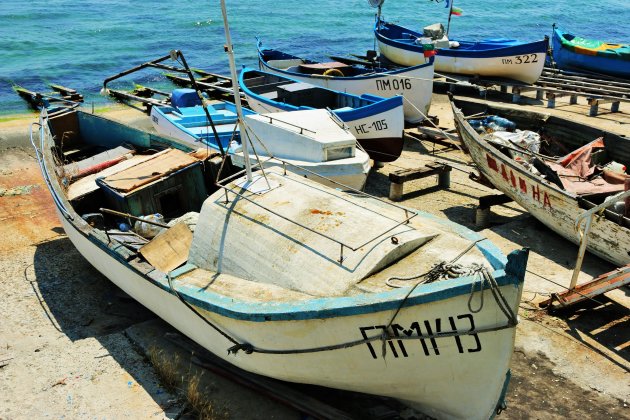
{"points": [[82, 303]]}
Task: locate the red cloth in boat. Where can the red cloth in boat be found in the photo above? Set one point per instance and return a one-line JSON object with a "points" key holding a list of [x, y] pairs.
{"points": [[575, 169]]}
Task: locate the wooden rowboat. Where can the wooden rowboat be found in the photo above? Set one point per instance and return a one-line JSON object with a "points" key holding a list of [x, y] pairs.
{"points": [[566, 186], [287, 278], [376, 122], [492, 58], [414, 83], [571, 52]]}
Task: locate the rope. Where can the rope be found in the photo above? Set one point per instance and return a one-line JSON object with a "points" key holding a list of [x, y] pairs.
{"points": [[439, 271], [447, 135], [217, 329], [385, 335]]}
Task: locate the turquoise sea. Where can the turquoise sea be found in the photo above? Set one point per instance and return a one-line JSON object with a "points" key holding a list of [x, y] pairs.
{"points": [[80, 43]]}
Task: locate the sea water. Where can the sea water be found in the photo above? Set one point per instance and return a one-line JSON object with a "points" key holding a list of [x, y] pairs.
{"points": [[80, 43]]}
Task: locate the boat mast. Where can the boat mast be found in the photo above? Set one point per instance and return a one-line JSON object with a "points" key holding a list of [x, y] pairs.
{"points": [[236, 91]]}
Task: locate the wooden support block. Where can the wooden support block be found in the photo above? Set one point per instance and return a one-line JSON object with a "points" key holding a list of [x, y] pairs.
{"points": [[398, 178], [539, 94], [573, 100], [481, 218], [487, 201], [482, 213], [594, 103], [614, 107], [516, 94], [395, 191]]}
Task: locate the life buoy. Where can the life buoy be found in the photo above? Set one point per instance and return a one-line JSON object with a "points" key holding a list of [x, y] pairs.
{"points": [[333, 72]]}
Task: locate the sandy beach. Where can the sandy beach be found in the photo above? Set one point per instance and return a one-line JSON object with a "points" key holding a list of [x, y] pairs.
{"points": [[73, 345]]}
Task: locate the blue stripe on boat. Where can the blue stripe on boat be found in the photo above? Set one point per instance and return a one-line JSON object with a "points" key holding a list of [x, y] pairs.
{"points": [[377, 106], [394, 36], [322, 308]]}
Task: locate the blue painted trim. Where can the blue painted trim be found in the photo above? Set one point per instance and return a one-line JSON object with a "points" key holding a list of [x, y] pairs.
{"points": [[377, 106], [501, 400], [322, 308], [389, 34], [383, 105]]}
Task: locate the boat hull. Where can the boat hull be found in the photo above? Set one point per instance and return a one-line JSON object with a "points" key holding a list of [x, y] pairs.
{"points": [[555, 208], [523, 62], [379, 132], [571, 60], [415, 84], [350, 172], [426, 374]]}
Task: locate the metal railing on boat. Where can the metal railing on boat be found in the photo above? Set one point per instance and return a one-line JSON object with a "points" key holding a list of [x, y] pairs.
{"points": [[604, 282], [343, 245]]}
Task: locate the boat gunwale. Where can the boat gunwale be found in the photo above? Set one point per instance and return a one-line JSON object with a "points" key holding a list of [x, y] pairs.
{"points": [[376, 107], [316, 308], [385, 73], [500, 155], [532, 47]]}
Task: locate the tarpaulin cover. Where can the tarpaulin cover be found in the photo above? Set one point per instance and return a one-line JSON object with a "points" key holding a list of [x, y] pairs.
{"points": [[184, 98], [575, 169]]}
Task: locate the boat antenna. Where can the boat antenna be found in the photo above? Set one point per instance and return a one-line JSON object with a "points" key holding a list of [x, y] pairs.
{"points": [[450, 15], [237, 93], [175, 54]]}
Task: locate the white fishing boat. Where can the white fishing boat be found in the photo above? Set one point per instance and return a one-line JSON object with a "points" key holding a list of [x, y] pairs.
{"points": [[287, 278], [310, 143], [414, 83], [490, 58], [376, 122], [585, 174], [292, 282]]}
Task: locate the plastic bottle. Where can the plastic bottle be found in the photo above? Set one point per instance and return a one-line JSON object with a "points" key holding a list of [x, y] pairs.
{"points": [[148, 230], [477, 125], [615, 167], [499, 123]]}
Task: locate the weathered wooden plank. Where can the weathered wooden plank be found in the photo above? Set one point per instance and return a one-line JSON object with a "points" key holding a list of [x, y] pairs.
{"points": [[169, 250], [599, 285]]}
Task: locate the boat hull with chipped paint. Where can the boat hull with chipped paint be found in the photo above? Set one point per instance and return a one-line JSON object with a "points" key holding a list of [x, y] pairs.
{"points": [[556, 208]]}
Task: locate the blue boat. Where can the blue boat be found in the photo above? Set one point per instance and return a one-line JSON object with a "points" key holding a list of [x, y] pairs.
{"points": [[376, 122], [185, 119], [490, 58], [571, 52]]}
